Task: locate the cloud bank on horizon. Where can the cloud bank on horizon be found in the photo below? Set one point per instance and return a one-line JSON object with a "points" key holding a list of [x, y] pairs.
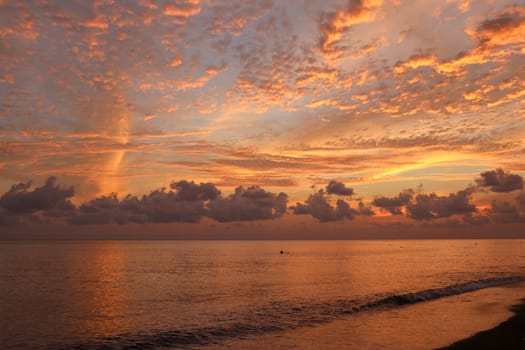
{"points": [[189, 202], [363, 100]]}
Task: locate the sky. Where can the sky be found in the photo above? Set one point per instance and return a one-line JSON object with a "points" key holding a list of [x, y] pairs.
{"points": [[262, 119]]}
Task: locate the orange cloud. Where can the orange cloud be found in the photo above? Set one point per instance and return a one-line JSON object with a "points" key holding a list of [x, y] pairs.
{"points": [[97, 22], [416, 61], [336, 23], [506, 29], [176, 61], [186, 9]]}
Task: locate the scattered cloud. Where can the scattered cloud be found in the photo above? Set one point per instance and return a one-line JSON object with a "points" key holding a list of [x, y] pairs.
{"points": [[187, 201], [507, 28], [317, 205], [335, 24], [394, 204], [183, 9], [506, 212], [433, 206], [500, 181], [339, 188], [190, 191], [19, 199], [281, 95], [248, 204]]}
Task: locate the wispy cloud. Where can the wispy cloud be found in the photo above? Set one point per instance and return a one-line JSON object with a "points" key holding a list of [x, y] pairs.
{"points": [[123, 97]]}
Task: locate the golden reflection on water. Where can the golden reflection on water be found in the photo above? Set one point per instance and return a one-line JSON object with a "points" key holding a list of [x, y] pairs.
{"points": [[101, 295]]}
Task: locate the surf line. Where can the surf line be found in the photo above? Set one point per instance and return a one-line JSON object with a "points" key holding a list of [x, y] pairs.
{"points": [[280, 316]]}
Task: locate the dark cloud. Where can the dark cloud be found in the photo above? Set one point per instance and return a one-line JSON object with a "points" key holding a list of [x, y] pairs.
{"points": [[190, 191], [505, 212], [101, 210], [186, 202], [246, 204], [476, 219], [6, 219], [365, 210], [343, 210], [339, 188], [394, 204], [521, 200], [158, 206], [98, 218], [48, 197], [162, 206], [100, 203], [334, 24], [500, 181], [506, 25], [432, 206], [318, 206]]}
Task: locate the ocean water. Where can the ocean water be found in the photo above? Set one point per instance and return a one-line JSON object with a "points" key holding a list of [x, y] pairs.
{"points": [[417, 294]]}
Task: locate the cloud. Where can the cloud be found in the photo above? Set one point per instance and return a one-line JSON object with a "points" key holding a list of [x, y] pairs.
{"points": [[234, 16], [98, 22], [167, 206], [505, 212], [428, 206], [394, 204], [158, 206], [415, 61], [338, 188], [6, 218], [190, 191], [365, 210], [47, 197], [100, 203], [185, 202], [500, 181], [98, 218], [247, 204], [521, 200], [335, 24], [507, 28], [433, 206], [101, 210], [186, 9], [478, 219], [317, 205]]}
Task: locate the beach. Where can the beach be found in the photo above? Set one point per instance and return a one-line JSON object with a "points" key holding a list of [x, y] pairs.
{"points": [[510, 335]]}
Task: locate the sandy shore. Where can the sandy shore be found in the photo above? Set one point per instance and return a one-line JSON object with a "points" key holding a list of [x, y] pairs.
{"points": [[509, 335]]}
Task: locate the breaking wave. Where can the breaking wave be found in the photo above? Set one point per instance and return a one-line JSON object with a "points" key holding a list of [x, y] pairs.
{"points": [[279, 316]]}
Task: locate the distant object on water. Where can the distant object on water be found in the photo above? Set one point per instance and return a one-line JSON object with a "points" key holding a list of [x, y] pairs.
{"points": [[282, 252]]}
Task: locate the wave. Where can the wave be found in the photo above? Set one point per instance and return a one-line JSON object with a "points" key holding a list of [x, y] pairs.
{"points": [[431, 294], [279, 316]]}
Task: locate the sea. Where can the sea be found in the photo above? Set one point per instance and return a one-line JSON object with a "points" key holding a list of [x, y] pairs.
{"points": [[397, 294]]}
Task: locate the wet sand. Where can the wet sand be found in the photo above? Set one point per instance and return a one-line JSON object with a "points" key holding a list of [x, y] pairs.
{"points": [[421, 326], [509, 335]]}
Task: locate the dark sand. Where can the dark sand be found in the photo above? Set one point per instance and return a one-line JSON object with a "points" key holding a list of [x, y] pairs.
{"points": [[509, 335]]}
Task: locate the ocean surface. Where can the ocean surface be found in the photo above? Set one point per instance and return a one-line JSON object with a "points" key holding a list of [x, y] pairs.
{"points": [[417, 294]]}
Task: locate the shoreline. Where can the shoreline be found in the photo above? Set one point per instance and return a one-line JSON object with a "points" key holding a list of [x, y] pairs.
{"points": [[508, 335]]}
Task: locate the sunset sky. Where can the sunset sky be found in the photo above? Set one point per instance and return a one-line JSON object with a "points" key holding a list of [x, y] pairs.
{"points": [[339, 119]]}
